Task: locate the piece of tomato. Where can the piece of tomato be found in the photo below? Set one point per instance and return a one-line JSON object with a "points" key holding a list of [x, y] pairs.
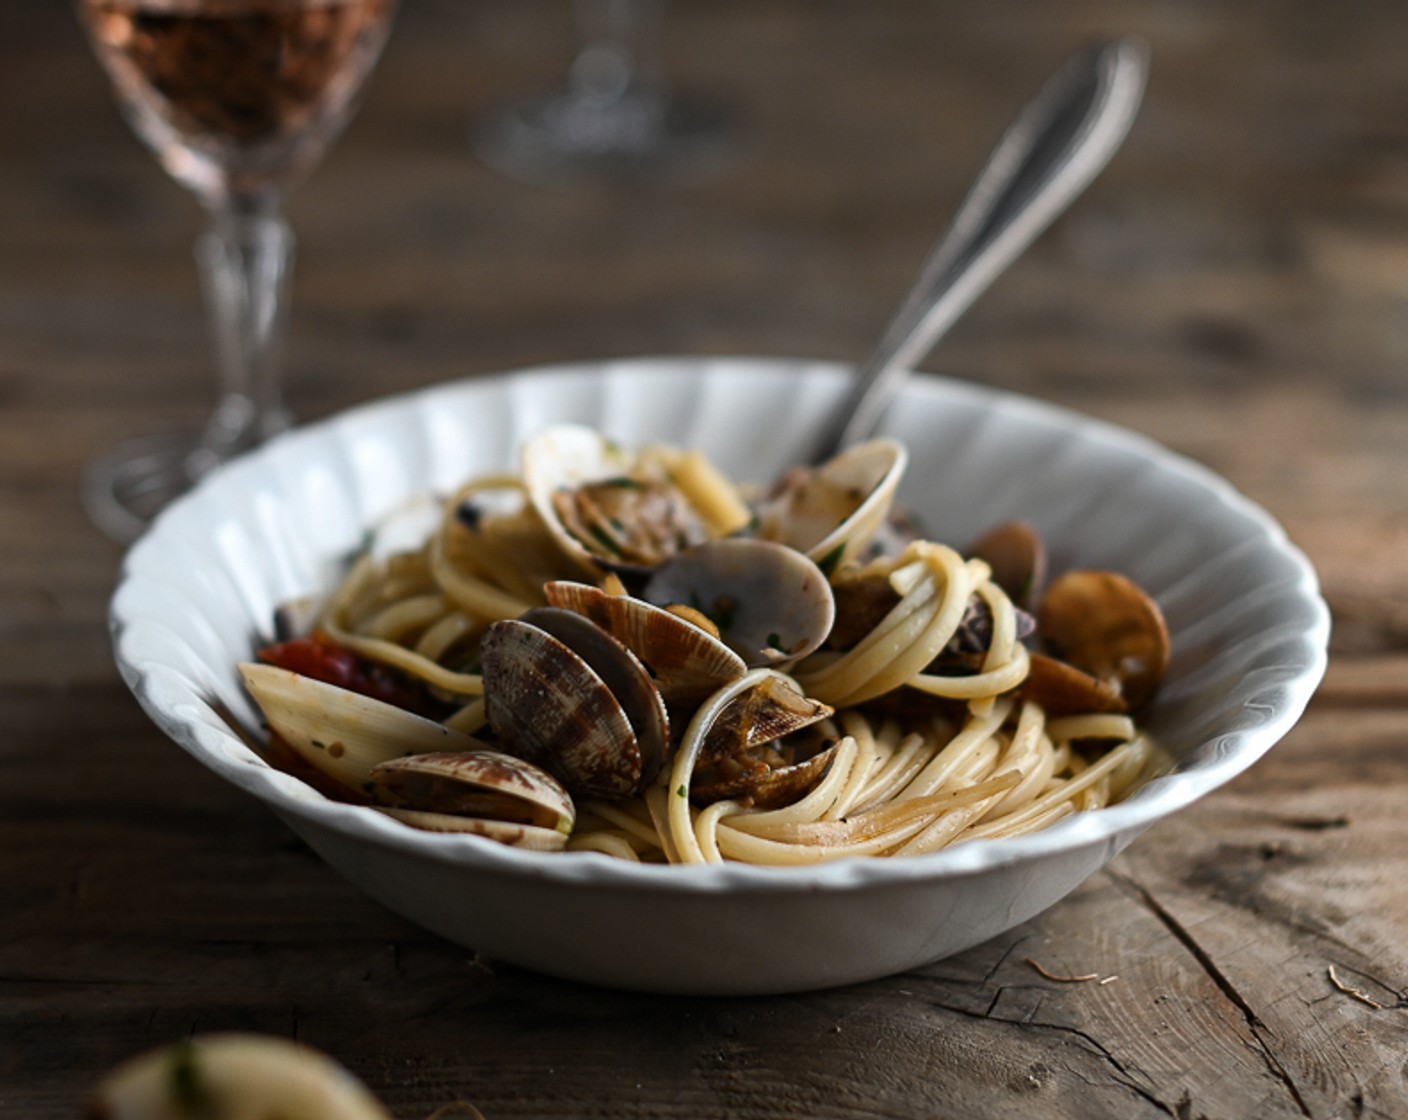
{"points": [[319, 657]]}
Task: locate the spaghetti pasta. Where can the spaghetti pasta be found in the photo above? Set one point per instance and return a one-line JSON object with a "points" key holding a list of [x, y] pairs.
{"points": [[928, 729]]}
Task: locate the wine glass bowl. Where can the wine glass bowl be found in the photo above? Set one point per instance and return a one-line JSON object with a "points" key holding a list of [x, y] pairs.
{"points": [[614, 117], [238, 99]]}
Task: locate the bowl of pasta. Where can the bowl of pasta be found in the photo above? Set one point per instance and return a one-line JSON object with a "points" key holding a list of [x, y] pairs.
{"points": [[583, 667]]}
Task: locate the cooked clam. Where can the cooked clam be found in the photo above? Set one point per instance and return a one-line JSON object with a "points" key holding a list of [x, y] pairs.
{"points": [[771, 604], [1105, 626], [608, 509], [343, 734], [484, 792], [687, 663], [832, 511], [587, 712], [739, 746]]}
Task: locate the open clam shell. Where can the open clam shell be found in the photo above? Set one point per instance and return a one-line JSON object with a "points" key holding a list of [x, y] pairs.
{"points": [[771, 604], [343, 734], [603, 508], [484, 792], [1106, 626], [831, 512]]}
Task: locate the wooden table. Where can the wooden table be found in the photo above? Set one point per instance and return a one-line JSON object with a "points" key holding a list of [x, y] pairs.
{"points": [[1233, 287]]}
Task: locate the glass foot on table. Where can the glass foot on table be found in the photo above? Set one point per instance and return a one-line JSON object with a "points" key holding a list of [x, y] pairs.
{"points": [[124, 487]]}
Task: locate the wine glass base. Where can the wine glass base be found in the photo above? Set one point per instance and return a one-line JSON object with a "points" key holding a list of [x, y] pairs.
{"points": [[564, 136], [124, 487]]}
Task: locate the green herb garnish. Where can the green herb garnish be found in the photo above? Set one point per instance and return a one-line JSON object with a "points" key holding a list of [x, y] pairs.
{"points": [[602, 538], [828, 563]]}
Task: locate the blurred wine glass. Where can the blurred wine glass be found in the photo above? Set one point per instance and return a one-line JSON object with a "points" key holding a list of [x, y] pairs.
{"points": [[238, 99], [615, 117]]}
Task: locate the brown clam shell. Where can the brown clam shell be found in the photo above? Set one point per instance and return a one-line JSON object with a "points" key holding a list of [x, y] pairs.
{"points": [[772, 710], [687, 663], [764, 787], [1104, 625], [487, 785], [545, 704]]}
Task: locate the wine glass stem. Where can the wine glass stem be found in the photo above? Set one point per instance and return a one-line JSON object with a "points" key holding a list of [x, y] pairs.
{"points": [[245, 259], [610, 62]]}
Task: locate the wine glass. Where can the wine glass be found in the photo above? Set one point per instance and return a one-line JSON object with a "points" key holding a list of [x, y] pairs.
{"points": [[238, 99], [615, 117]]}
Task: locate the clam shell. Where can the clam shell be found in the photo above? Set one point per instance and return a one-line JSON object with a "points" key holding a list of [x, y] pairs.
{"points": [[590, 494], [771, 788], [622, 672], [773, 709], [1105, 625], [772, 604], [342, 733], [525, 836], [833, 511], [481, 783], [687, 663], [547, 705]]}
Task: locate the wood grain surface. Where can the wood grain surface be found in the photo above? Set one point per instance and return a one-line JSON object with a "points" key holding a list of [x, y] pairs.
{"points": [[1234, 286]]}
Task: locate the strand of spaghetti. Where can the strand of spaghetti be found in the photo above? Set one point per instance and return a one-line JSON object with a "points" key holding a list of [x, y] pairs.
{"points": [[706, 826], [389, 653], [680, 828], [868, 755], [705, 487], [891, 654], [947, 828], [870, 833], [1019, 824], [474, 596], [1126, 775], [988, 685], [1102, 725], [1002, 644], [608, 843], [645, 830], [915, 751], [1067, 790], [657, 800], [393, 622], [975, 732], [470, 718], [913, 582], [441, 636], [1030, 752]]}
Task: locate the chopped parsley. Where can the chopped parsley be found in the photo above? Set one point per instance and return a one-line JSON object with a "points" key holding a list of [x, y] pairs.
{"points": [[604, 539], [828, 563]]}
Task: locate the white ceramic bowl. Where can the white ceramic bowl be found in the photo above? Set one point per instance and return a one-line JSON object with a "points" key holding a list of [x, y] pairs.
{"points": [[1249, 639]]}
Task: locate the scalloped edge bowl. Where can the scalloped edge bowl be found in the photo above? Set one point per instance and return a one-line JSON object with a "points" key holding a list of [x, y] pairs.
{"points": [[1249, 628]]}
